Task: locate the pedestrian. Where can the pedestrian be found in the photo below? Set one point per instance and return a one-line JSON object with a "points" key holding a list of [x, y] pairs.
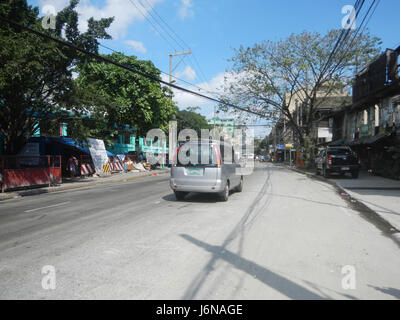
{"points": [[72, 165]]}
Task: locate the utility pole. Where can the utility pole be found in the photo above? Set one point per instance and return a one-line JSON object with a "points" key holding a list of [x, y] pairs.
{"points": [[171, 71], [171, 66]]}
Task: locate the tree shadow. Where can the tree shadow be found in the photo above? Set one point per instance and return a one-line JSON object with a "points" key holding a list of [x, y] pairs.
{"points": [[289, 288], [390, 291]]}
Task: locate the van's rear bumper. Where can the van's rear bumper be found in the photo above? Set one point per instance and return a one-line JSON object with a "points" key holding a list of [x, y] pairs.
{"points": [[218, 187]]}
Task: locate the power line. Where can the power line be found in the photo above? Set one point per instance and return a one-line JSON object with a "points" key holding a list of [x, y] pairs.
{"points": [[364, 19], [177, 39], [152, 24], [348, 46], [107, 60], [343, 35], [166, 31], [165, 73]]}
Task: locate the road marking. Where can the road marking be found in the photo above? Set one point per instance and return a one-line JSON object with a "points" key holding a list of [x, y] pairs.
{"points": [[52, 206]]}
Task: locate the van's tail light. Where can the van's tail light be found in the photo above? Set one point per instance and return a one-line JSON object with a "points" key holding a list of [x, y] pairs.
{"points": [[175, 161], [359, 160], [330, 161], [219, 162]]}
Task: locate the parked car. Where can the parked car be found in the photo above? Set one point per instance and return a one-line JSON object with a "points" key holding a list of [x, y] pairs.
{"points": [[340, 160], [217, 176]]}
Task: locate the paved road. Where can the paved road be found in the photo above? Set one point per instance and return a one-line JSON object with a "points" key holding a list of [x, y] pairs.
{"points": [[285, 237]]}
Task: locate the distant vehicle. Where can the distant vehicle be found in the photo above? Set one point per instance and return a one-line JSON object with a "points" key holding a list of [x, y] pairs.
{"points": [[340, 160], [218, 176]]}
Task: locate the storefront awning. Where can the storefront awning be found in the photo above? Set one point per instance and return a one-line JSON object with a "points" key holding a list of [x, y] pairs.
{"points": [[369, 140]]}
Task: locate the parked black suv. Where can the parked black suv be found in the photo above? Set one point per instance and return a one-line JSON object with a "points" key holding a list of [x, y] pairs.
{"points": [[340, 160]]}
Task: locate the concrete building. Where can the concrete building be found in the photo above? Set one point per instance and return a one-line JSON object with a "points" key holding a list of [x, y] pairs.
{"points": [[371, 125], [225, 125]]}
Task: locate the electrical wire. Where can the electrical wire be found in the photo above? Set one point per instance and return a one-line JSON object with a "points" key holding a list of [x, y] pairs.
{"points": [[152, 24], [343, 36], [165, 73], [110, 61], [177, 39]]}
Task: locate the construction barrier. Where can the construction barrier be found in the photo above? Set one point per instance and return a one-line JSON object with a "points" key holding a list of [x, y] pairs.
{"points": [[116, 165], [106, 168], [86, 165], [87, 169], [27, 171]]}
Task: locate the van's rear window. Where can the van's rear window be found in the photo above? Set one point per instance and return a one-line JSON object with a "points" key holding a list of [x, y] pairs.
{"points": [[197, 155]]}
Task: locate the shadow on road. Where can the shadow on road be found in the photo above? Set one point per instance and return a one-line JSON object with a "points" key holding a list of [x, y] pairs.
{"points": [[390, 291], [272, 279], [193, 197]]}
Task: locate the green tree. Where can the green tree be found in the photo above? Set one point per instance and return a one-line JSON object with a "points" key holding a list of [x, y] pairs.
{"points": [[190, 119], [132, 99], [269, 77], [36, 74]]}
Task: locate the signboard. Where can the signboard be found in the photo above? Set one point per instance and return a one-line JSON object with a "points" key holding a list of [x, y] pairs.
{"points": [[289, 146], [98, 153], [325, 133], [280, 147]]}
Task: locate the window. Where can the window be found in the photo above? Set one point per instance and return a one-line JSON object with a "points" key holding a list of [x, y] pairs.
{"points": [[126, 138], [339, 151], [194, 151]]}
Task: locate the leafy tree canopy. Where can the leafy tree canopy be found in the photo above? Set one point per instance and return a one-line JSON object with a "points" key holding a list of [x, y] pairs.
{"points": [[190, 119], [271, 77], [132, 99], [36, 74]]}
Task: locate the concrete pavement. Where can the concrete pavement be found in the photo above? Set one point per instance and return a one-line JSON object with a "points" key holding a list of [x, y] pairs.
{"points": [[285, 237], [380, 194]]}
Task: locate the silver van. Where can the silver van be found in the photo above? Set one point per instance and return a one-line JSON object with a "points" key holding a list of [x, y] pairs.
{"points": [[205, 167]]}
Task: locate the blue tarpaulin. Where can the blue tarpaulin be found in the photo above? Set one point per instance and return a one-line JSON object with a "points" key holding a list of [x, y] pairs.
{"points": [[70, 142], [61, 142]]}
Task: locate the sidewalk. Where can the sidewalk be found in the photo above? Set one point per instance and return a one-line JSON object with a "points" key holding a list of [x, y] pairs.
{"points": [[381, 195], [78, 183]]}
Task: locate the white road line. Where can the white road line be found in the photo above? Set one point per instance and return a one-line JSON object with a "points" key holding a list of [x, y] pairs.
{"points": [[54, 205]]}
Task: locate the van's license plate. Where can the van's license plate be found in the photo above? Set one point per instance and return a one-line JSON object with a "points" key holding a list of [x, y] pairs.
{"points": [[345, 169], [195, 172]]}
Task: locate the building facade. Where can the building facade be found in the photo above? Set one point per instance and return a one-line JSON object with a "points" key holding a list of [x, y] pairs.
{"points": [[371, 125]]}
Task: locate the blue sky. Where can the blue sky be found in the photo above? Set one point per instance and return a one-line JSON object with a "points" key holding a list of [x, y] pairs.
{"points": [[212, 28]]}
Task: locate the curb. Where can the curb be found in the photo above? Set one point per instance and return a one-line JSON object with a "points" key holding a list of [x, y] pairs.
{"points": [[38, 191], [369, 214]]}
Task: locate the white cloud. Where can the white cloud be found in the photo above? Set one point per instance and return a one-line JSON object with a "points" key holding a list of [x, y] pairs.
{"points": [[186, 11], [137, 45], [188, 73], [211, 88], [123, 11]]}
